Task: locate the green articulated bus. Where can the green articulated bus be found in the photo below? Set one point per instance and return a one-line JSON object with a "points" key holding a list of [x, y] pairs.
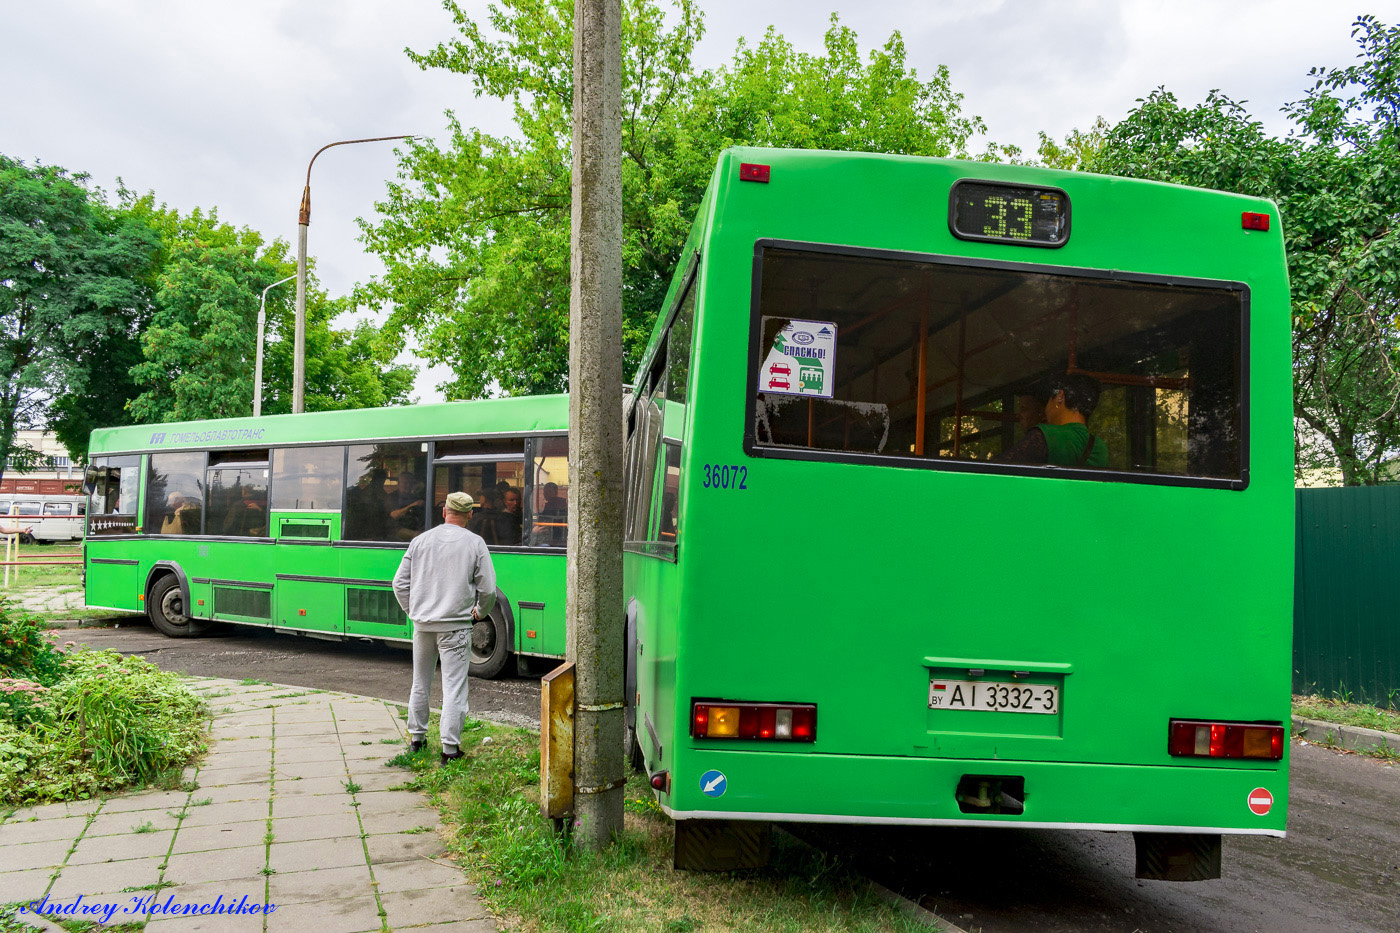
{"points": [[298, 522], [876, 573]]}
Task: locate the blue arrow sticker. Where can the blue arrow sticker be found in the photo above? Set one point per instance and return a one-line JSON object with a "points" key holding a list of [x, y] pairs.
{"points": [[713, 783]]}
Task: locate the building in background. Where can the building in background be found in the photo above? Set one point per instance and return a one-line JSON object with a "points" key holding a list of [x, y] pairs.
{"points": [[57, 476]]}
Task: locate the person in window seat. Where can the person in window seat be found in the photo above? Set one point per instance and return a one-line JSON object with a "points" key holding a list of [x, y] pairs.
{"points": [[1063, 439]]}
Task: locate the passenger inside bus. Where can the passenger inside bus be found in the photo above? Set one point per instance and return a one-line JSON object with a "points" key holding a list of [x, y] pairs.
{"points": [[483, 520], [1063, 438], [247, 512], [367, 507], [181, 517], [406, 505], [510, 518]]}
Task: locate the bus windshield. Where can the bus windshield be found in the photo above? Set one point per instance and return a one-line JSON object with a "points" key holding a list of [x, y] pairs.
{"points": [[865, 353]]}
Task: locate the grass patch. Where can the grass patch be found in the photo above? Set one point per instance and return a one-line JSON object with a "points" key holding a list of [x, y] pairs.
{"points": [[48, 576], [254, 682], [523, 868], [1346, 714]]}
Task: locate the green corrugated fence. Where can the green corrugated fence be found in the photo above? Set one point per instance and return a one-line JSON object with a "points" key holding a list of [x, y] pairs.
{"points": [[1346, 606]]}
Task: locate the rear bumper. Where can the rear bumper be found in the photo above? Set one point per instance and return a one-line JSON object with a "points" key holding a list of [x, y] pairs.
{"points": [[866, 789]]}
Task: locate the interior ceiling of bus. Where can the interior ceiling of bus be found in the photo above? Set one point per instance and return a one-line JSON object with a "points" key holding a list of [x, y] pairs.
{"points": [[1017, 325]]}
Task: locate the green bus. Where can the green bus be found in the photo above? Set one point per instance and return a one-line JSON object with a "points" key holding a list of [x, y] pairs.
{"points": [[852, 597], [298, 522]]}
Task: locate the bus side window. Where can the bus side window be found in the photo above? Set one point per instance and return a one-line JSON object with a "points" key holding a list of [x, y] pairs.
{"points": [[643, 443], [387, 492], [549, 493], [236, 490], [114, 482], [492, 472], [664, 527], [308, 478], [175, 493]]}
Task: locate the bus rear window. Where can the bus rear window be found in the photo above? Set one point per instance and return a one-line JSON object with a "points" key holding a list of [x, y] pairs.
{"points": [[1112, 377]]}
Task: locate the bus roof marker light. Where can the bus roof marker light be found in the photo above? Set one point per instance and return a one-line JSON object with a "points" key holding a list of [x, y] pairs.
{"points": [[1252, 221], [752, 171]]}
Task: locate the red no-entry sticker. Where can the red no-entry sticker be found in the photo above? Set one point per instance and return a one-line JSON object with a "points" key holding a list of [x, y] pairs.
{"points": [[1260, 801]]}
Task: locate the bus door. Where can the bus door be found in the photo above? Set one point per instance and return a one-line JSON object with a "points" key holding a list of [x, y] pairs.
{"points": [[304, 516]]}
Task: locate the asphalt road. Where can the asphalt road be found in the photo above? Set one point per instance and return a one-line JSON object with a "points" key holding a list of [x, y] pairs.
{"points": [[1338, 868]]}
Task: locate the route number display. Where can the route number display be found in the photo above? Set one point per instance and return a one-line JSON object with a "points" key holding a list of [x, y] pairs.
{"points": [[1008, 214]]}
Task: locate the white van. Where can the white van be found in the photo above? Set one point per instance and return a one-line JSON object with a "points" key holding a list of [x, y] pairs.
{"points": [[53, 518]]}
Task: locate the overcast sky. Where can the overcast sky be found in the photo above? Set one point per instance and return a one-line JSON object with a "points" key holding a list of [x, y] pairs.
{"points": [[219, 103]]}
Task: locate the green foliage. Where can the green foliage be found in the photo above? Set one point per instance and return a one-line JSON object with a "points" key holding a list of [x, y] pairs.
{"points": [[111, 722], [475, 234], [27, 649], [520, 865], [1078, 151], [199, 349], [1336, 179], [74, 272]]}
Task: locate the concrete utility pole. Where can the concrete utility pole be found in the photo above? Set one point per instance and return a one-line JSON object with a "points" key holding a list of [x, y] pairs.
{"points": [[595, 612], [303, 222]]}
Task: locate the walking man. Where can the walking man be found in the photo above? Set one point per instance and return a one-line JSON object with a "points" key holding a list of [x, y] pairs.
{"points": [[444, 582]]}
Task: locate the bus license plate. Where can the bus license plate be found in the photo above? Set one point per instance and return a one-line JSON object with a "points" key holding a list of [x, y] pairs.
{"points": [[991, 697]]}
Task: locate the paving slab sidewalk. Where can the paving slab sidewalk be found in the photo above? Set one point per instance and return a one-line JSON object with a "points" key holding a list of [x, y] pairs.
{"points": [[294, 809]]}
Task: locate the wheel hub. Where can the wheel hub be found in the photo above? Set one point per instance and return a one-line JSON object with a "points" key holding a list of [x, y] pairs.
{"points": [[173, 606], [483, 639]]}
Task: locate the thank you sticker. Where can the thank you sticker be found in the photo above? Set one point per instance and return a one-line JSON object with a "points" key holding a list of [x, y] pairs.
{"points": [[801, 360]]}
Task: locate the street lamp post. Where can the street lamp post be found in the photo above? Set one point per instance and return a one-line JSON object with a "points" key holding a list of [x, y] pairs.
{"points": [[304, 221], [262, 326]]}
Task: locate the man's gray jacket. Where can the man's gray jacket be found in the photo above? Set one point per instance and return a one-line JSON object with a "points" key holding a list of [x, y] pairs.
{"points": [[444, 574]]}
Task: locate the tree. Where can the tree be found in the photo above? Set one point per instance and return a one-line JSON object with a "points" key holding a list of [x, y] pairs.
{"points": [[475, 234], [1336, 179], [198, 349], [71, 280]]}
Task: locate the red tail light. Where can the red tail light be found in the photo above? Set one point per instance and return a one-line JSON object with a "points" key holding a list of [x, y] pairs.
{"points": [[777, 722], [1194, 738]]}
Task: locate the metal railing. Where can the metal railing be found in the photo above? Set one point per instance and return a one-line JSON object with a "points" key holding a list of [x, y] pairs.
{"points": [[14, 558]]}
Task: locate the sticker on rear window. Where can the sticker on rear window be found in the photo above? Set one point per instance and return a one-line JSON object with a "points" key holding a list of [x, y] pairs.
{"points": [[801, 359]]}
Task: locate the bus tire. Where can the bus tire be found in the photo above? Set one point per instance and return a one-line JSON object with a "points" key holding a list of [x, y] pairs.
{"points": [[490, 645], [165, 607]]}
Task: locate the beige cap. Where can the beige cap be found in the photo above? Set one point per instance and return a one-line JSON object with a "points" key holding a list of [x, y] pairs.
{"points": [[459, 502]]}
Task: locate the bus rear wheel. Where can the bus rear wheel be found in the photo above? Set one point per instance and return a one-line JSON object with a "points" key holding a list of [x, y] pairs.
{"points": [[165, 606], [490, 646]]}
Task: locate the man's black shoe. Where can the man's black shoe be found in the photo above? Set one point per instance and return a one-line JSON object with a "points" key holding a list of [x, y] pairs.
{"points": [[446, 757], [418, 746]]}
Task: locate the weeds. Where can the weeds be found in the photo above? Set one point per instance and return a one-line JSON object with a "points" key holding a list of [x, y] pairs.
{"points": [[100, 723], [1347, 714], [522, 867], [146, 827], [351, 787]]}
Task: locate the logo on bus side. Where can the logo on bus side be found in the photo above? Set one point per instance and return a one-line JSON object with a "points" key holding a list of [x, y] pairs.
{"points": [[207, 437]]}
